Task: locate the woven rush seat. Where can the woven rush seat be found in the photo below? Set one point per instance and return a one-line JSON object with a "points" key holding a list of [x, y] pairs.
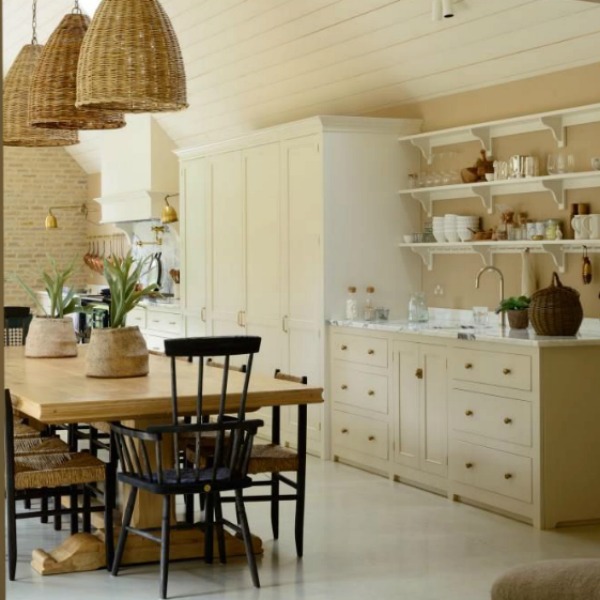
{"points": [[40, 445], [34, 471], [25, 431], [272, 458], [101, 426]]}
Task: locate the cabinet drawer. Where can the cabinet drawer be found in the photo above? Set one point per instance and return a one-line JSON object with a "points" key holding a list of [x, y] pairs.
{"points": [[155, 343], [360, 434], [493, 368], [137, 316], [165, 323], [493, 470], [500, 418], [360, 389], [364, 350]]}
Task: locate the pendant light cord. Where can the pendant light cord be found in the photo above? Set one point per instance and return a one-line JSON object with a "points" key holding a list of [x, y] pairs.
{"points": [[76, 9], [34, 24]]}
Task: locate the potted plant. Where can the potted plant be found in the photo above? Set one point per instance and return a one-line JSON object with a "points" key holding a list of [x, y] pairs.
{"points": [[119, 350], [51, 333], [516, 309]]}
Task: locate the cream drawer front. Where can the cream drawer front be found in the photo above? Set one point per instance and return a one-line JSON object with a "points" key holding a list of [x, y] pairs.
{"points": [[503, 419], [493, 368], [360, 434], [137, 316], [367, 351], [359, 389], [155, 343], [167, 323], [492, 470]]}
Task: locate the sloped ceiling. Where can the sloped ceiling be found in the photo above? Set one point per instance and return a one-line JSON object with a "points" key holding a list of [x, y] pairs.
{"points": [[255, 63]]}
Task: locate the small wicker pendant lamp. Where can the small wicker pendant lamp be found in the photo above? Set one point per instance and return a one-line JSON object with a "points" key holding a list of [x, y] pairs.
{"points": [[130, 60], [15, 102], [54, 85]]}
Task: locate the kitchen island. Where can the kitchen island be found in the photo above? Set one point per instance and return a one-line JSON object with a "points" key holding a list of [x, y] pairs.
{"points": [[502, 419]]}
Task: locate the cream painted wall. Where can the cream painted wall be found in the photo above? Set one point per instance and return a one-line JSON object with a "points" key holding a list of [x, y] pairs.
{"points": [[456, 274]]}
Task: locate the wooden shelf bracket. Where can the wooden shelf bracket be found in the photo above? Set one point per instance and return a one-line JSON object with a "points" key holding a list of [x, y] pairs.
{"points": [[557, 127]]}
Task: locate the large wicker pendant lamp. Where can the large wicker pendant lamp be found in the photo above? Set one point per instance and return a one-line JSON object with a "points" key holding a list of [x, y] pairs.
{"points": [[54, 85], [130, 60], [15, 103]]}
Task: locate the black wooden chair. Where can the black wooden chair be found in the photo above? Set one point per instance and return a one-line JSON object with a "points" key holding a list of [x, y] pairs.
{"points": [[16, 324], [226, 469], [49, 471]]}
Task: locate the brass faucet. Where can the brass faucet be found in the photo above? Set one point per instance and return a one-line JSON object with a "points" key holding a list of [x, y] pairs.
{"points": [[503, 317]]}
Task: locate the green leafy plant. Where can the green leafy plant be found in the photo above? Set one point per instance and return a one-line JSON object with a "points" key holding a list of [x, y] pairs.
{"points": [[514, 303], [62, 301], [122, 276]]}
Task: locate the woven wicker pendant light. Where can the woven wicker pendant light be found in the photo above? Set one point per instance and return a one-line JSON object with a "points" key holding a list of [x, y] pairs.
{"points": [[54, 85], [130, 60], [15, 103]]}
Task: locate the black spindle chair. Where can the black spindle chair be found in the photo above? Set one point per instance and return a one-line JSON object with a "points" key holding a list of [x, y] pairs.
{"points": [[225, 470]]}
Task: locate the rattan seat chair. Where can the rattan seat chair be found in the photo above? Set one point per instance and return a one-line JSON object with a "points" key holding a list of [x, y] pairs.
{"points": [[16, 325], [226, 470], [43, 473]]}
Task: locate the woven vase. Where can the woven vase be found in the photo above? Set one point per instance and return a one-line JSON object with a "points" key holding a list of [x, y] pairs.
{"points": [[518, 319], [51, 338], [116, 353]]}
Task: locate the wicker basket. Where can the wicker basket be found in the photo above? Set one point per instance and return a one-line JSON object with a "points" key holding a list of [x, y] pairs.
{"points": [[556, 310]]}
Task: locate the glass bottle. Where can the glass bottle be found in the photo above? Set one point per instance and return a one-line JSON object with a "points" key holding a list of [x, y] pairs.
{"points": [[351, 305], [417, 308], [369, 308]]}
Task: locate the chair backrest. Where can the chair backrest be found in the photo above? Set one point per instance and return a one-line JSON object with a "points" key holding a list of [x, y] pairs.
{"points": [[16, 325], [9, 435]]}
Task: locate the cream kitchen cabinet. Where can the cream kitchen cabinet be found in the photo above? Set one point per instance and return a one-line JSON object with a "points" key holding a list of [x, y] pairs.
{"points": [[157, 323], [296, 213], [420, 423]]}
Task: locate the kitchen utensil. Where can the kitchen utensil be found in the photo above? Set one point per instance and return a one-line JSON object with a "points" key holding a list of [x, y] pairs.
{"points": [[591, 225], [586, 268]]}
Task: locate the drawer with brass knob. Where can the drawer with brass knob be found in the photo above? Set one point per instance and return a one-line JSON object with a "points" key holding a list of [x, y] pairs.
{"points": [[489, 469], [495, 417], [500, 369], [370, 351], [359, 434], [352, 387]]}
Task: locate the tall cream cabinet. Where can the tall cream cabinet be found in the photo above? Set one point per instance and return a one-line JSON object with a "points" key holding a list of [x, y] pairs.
{"points": [[284, 220]]}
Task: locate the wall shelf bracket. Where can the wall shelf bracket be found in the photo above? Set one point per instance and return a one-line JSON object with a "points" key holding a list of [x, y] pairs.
{"points": [[424, 145], [485, 195], [556, 125], [485, 253], [557, 189], [425, 199], [426, 255], [483, 135], [558, 255]]}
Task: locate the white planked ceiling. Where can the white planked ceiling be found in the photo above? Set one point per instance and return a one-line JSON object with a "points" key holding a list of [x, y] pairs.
{"points": [[255, 63]]}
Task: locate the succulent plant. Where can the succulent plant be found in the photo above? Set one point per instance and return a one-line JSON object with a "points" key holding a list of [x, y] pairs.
{"points": [[514, 303]]}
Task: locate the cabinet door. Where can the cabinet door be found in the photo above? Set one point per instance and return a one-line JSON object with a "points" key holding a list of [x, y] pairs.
{"points": [[407, 429], [434, 421], [193, 241], [264, 280], [226, 242], [303, 300]]}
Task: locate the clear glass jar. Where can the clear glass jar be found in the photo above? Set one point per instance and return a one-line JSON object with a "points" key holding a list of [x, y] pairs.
{"points": [[351, 305], [369, 307], [551, 229], [417, 308]]}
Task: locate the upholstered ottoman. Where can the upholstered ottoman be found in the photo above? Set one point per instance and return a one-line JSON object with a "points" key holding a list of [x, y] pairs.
{"points": [[565, 579]]}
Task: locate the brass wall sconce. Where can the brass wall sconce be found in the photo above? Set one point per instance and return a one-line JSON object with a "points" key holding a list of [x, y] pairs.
{"points": [[52, 222], [169, 214]]}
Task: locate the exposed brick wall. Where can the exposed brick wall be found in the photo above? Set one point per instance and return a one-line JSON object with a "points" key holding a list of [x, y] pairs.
{"points": [[34, 180]]}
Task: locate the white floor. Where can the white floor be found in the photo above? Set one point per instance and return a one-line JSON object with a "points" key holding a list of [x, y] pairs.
{"points": [[366, 538]]}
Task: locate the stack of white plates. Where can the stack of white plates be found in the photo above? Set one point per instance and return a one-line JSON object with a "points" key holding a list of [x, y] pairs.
{"points": [[465, 225], [451, 228], [438, 229]]}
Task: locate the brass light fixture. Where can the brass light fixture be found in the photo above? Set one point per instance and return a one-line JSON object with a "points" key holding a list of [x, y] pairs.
{"points": [[130, 60], [51, 220], [169, 214], [15, 102], [54, 84]]}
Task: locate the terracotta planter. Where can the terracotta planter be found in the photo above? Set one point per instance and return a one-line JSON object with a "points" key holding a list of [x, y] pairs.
{"points": [[51, 338], [518, 319], [115, 353]]}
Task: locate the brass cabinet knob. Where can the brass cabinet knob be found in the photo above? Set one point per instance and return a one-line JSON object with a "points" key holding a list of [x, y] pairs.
{"points": [[508, 420], [507, 475], [371, 438], [344, 386], [469, 465], [419, 373], [469, 413], [506, 371], [370, 351], [344, 430], [344, 347], [468, 365], [371, 392]]}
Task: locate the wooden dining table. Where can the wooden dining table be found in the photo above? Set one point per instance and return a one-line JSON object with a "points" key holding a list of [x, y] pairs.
{"points": [[56, 390]]}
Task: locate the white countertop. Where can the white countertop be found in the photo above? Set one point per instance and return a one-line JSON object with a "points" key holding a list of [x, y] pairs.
{"points": [[589, 334]]}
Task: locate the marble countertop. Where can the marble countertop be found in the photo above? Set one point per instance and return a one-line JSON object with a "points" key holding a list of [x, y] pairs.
{"points": [[589, 334]]}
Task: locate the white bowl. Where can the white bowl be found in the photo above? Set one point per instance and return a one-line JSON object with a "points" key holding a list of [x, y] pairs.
{"points": [[452, 236], [465, 235], [595, 162], [409, 238], [439, 236]]}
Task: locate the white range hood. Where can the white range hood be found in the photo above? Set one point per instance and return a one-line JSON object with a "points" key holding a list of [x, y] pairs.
{"points": [[139, 169]]}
